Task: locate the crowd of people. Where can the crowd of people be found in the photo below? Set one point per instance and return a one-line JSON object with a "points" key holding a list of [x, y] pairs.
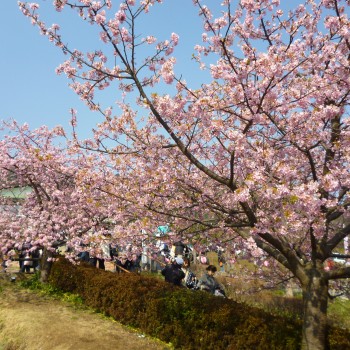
{"points": [[179, 273], [173, 263], [27, 258]]}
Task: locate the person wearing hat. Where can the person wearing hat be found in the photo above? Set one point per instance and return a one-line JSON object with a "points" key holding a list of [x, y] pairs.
{"points": [[173, 273]]}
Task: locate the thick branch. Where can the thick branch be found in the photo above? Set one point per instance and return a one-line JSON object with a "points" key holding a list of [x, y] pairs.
{"points": [[338, 237], [343, 272]]}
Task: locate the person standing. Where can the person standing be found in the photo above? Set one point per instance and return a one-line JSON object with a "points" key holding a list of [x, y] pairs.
{"points": [[27, 262], [5, 263], [36, 256], [135, 265], [122, 263], [180, 248]]}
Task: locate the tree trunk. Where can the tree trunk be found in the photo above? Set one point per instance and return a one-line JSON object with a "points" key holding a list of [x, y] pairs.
{"points": [[315, 302], [46, 264], [194, 254]]}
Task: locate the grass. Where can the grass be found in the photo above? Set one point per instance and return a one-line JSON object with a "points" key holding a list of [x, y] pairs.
{"points": [[33, 283], [339, 311], [6, 343]]}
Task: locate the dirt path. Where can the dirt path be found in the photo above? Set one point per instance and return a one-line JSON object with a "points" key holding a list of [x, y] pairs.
{"points": [[31, 321]]}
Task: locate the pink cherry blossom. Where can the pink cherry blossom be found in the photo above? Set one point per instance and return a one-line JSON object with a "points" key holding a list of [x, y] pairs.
{"points": [[255, 159]]}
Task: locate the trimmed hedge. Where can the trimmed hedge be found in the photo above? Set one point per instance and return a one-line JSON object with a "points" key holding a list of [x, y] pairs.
{"points": [[187, 319]]}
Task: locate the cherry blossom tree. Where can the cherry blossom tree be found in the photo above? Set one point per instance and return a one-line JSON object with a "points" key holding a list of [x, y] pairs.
{"points": [[259, 155], [72, 200], [61, 208]]}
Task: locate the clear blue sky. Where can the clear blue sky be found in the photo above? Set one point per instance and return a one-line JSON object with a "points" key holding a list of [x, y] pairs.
{"points": [[31, 91]]}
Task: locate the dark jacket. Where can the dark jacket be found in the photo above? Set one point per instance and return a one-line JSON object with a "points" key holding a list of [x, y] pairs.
{"points": [[180, 248], [135, 265], [124, 264], [173, 274]]}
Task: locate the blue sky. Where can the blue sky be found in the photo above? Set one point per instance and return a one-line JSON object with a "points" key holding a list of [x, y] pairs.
{"points": [[31, 91]]}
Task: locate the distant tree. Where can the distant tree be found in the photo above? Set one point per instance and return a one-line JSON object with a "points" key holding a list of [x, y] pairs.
{"points": [[59, 209]]}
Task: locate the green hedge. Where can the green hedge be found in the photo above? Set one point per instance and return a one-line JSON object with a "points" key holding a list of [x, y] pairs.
{"points": [[187, 319]]}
